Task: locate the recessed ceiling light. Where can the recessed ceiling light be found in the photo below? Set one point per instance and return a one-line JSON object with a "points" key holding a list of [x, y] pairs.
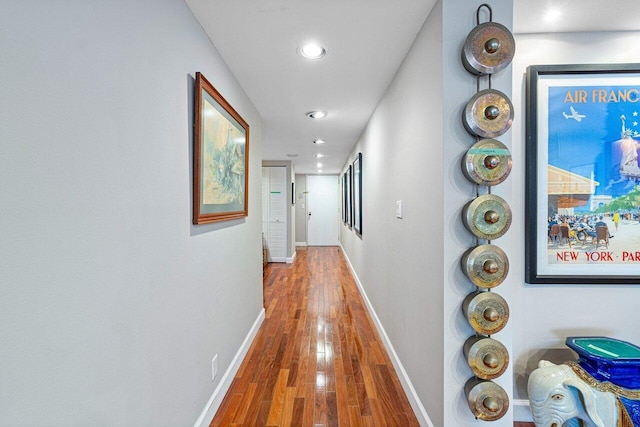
{"points": [[292, 155], [319, 141], [317, 156], [316, 114], [319, 170], [319, 165], [552, 15], [312, 51]]}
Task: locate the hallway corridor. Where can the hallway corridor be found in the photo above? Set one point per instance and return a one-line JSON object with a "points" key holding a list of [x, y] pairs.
{"points": [[317, 360]]}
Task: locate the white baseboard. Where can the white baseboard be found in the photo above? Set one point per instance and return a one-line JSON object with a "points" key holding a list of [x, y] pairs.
{"points": [[301, 243], [277, 259], [223, 386], [412, 395], [522, 410], [290, 260]]}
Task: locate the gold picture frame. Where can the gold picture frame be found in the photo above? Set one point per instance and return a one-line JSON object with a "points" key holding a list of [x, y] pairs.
{"points": [[220, 158]]}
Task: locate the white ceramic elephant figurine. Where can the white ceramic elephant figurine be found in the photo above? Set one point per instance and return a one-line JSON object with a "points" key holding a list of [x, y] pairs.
{"points": [[558, 395]]}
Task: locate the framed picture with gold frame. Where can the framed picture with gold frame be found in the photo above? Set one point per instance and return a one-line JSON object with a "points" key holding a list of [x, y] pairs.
{"points": [[220, 158]]}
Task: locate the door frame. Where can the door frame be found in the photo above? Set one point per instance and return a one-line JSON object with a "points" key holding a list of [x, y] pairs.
{"points": [[336, 183]]}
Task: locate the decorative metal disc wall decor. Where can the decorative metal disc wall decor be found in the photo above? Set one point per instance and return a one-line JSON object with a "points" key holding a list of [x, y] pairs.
{"points": [[485, 265], [488, 114], [486, 312], [488, 358], [489, 47], [487, 400], [487, 162], [487, 217]]}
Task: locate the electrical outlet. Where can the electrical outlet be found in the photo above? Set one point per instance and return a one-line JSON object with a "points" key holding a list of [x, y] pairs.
{"points": [[214, 367]]}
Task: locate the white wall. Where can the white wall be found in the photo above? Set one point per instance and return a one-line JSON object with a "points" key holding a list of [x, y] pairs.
{"points": [[544, 315], [113, 304], [410, 268]]}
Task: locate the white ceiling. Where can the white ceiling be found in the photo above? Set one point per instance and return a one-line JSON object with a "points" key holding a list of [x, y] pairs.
{"points": [[577, 16], [366, 41]]}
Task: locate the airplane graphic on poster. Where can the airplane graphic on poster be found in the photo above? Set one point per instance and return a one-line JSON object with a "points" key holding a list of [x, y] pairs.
{"points": [[574, 115]]}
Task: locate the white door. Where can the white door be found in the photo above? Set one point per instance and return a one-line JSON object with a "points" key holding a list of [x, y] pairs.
{"points": [[274, 212], [265, 205], [323, 213]]}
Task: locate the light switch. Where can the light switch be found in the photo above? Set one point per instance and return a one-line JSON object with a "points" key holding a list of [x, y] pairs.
{"points": [[399, 209]]}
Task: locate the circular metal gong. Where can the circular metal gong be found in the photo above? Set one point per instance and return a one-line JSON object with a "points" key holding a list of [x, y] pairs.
{"points": [[486, 265], [488, 114], [487, 312], [489, 47], [487, 217], [487, 358], [487, 400], [487, 162]]}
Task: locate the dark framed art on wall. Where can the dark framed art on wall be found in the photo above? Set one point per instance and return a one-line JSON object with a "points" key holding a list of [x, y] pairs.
{"points": [[220, 158], [357, 193], [344, 197], [349, 180], [582, 221]]}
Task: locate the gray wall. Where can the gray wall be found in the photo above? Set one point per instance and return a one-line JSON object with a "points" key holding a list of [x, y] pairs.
{"points": [[113, 304], [544, 315], [459, 18], [410, 268], [386, 258], [400, 261], [301, 209]]}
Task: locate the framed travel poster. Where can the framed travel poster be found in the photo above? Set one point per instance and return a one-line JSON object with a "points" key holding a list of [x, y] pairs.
{"points": [[220, 158], [583, 174]]}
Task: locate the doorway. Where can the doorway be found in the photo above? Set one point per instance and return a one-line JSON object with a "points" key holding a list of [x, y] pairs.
{"points": [[322, 210], [274, 212]]}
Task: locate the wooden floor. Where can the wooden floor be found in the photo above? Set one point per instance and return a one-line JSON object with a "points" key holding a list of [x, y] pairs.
{"points": [[317, 360]]}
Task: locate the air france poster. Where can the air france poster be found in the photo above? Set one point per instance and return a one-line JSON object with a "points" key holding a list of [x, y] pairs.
{"points": [[588, 135]]}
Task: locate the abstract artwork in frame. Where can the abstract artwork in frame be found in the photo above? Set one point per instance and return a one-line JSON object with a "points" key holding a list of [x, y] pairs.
{"points": [[220, 158], [582, 223]]}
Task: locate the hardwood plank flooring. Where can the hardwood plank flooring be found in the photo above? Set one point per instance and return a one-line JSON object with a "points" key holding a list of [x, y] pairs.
{"points": [[317, 359]]}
